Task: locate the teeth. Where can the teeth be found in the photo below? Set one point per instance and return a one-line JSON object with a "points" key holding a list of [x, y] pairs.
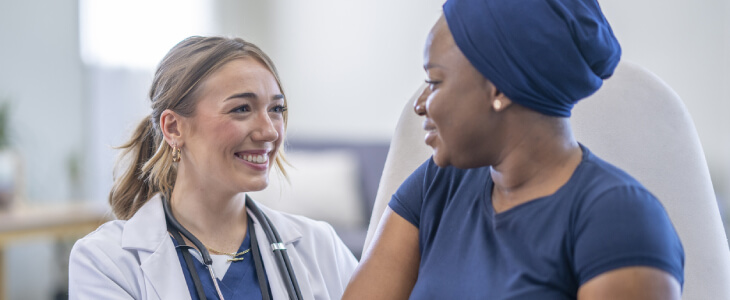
{"points": [[257, 159]]}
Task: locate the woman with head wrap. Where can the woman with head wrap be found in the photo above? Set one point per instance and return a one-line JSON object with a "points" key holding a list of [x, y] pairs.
{"points": [[511, 206]]}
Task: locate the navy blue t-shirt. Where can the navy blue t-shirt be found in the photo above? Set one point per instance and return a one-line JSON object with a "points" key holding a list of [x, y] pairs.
{"points": [[601, 219]]}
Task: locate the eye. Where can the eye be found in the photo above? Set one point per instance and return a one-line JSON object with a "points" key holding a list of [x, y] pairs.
{"points": [[241, 109], [279, 109], [432, 84]]}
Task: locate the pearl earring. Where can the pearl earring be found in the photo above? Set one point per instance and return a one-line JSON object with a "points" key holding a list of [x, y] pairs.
{"points": [[497, 104]]}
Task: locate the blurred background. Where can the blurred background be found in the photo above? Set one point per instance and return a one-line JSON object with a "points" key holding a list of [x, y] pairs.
{"points": [[74, 75]]}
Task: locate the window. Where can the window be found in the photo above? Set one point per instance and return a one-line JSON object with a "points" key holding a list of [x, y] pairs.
{"points": [[136, 34]]}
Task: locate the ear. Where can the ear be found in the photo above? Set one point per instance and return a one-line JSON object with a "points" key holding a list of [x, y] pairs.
{"points": [[171, 125], [499, 100], [501, 103]]}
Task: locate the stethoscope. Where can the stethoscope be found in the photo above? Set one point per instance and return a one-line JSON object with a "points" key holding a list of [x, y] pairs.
{"points": [[277, 246]]}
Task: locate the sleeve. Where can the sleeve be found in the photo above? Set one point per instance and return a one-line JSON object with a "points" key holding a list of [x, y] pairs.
{"points": [[626, 226], [346, 264], [94, 275], [408, 199]]}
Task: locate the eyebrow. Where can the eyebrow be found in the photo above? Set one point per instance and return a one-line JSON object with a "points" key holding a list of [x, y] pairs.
{"points": [[432, 65], [249, 95]]}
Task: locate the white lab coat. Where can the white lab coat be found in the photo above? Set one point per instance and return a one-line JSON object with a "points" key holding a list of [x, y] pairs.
{"points": [[136, 259]]}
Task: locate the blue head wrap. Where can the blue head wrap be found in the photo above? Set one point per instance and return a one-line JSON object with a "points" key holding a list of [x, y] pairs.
{"points": [[543, 54]]}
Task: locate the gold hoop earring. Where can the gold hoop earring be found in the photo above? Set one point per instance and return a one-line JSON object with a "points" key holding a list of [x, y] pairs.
{"points": [[176, 153], [497, 104]]}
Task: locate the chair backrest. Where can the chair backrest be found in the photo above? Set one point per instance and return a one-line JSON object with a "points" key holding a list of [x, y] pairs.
{"points": [[638, 123]]}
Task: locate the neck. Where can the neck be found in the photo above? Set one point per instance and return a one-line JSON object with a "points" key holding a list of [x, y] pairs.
{"points": [[216, 218], [537, 164]]}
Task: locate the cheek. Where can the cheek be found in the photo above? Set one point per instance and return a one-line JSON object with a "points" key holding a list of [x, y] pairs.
{"points": [[217, 136], [280, 129], [222, 129]]}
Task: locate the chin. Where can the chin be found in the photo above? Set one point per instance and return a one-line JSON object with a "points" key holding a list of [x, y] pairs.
{"points": [[254, 186], [439, 160], [469, 164], [457, 162]]}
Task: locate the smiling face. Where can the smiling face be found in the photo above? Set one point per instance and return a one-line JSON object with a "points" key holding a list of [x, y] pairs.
{"points": [[231, 140], [457, 105]]}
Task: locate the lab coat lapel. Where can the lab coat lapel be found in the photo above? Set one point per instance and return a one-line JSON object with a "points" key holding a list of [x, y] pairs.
{"points": [[300, 270], [163, 271], [290, 236], [147, 233]]}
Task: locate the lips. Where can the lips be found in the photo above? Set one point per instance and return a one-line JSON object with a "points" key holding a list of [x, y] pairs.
{"points": [[430, 132], [253, 158], [428, 125], [258, 157]]}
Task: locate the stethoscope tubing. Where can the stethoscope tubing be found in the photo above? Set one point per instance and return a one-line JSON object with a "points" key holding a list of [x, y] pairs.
{"points": [[280, 253], [207, 260], [189, 262], [282, 257], [287, 262]]}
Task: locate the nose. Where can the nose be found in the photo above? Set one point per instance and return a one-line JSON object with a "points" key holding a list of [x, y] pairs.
{"points": [[419, 106], [265, 128]]}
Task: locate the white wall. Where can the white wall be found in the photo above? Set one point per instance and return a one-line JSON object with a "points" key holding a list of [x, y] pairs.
{"points": [[41, 73], [686, 43], [348, 66]]}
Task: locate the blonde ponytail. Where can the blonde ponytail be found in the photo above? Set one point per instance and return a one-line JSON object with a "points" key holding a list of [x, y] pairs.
{"points": [[132, 188]]}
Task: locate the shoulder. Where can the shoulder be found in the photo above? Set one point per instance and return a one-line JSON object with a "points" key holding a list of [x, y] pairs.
{"points": [[103, 248], [430, 188], [599, 179], [105, 239], [287, 224], [619, 223], [119, 242], [99, 259], [603, 190], [316, 251], [430, 179]]}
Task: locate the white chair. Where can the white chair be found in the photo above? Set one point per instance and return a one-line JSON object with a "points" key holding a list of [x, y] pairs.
{"points": [[638, 123]]}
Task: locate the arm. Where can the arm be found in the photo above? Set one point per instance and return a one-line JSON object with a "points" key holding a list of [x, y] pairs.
{"points": [[630, 283], [389, 269]]}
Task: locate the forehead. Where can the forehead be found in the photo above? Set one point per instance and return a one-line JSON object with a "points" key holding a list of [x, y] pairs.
{"points": [[440, 43], [240, 75]]}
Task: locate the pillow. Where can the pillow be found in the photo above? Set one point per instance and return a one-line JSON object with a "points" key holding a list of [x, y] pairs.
{"points": [[323, 185]]}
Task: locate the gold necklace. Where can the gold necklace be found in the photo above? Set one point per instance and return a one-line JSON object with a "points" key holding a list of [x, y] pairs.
{"points": [[233, 255]]}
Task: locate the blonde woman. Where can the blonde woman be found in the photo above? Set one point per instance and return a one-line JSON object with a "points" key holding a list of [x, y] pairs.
{"points": [[186, 229]]}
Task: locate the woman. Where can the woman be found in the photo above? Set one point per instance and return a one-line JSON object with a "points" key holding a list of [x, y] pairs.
{"points": [[216, 128], [511, 206]]}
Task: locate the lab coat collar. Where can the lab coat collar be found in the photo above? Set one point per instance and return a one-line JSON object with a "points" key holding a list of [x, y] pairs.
{"points": [[146, 232], [147, 228]]}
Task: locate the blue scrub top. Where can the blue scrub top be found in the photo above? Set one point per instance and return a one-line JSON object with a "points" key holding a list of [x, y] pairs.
{"points": [[239, 282]]}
